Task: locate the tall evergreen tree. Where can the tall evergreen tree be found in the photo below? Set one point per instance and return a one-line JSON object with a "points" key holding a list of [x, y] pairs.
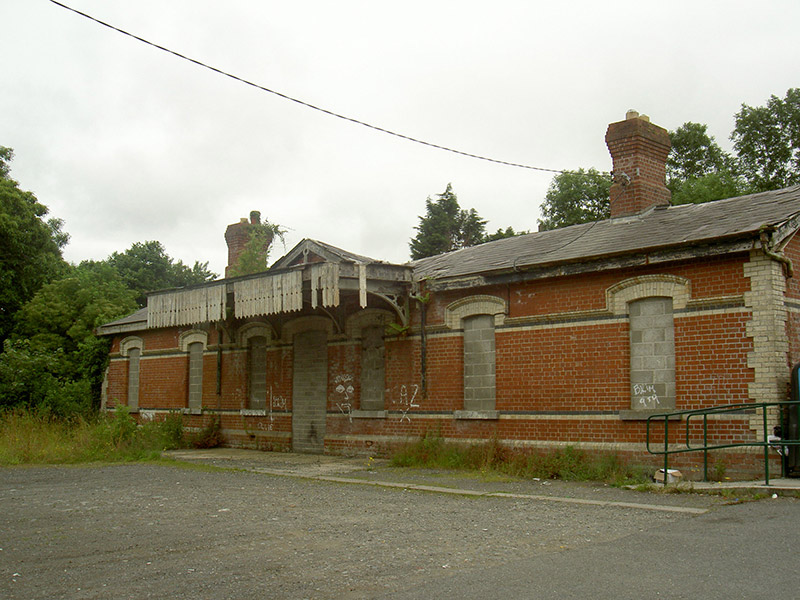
{"points": [[446, 226]]}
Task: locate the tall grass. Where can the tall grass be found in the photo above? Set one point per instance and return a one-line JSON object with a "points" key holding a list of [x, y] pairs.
{"points": [[30, 438], [568, 463]]}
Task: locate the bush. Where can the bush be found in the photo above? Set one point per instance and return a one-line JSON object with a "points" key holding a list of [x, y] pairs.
{"points": [[171, 429], [69, 398], [31, 377]]}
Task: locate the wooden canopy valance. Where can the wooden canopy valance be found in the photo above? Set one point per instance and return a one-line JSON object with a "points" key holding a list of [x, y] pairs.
{"points": [[268, 294], [186, 307], [275, 292]]}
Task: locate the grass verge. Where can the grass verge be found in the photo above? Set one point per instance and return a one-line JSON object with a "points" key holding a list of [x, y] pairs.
{"points": [[30, 438], [491, 457]]}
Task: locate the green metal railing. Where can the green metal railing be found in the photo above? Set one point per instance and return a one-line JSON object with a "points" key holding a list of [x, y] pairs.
{"points": [[703, 413]]}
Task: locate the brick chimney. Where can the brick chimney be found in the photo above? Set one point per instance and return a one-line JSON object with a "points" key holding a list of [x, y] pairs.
{"points": [[639, 152], [237, 235]]}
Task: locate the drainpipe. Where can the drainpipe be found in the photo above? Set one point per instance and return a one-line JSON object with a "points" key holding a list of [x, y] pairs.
{"points": [[764, 235], [219, 367], [424, 348]]}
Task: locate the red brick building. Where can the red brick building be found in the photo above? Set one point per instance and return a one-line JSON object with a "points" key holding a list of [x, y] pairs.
{"points": [[572, 336]]}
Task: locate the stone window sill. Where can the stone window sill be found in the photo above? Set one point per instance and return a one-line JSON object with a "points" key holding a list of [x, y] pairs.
{"points": [[486, 415], [193, 411], [642, 415], [253, 412], [368, 414]]}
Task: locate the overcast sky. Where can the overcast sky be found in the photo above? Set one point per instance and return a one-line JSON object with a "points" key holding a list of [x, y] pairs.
{"points": [[126, 143]]}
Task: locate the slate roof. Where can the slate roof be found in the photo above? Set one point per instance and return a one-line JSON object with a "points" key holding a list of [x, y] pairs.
{"points": [[132, 322], [664, 228], [658, 228], [136, 317], [344, 254], [321, 248]]}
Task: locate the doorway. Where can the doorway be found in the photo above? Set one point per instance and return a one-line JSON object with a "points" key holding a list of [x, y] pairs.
{"points": [[309, 391]]}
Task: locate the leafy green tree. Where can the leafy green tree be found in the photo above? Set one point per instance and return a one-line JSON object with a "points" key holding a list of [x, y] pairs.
{"points": [[767, 142], [30, 246], [446, 226], [50, 359], [6, 155], [713, 186], [576, 197], [694, 153], [698, 170], [146, 267], [54, 340], [27, 379], [501, 234]]}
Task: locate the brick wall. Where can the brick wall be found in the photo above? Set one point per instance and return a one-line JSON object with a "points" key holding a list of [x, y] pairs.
{"points": [[562, 354], [533, 373]]}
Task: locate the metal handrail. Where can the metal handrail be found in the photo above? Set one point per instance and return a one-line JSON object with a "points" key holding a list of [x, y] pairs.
{"points": [[705, 448]]}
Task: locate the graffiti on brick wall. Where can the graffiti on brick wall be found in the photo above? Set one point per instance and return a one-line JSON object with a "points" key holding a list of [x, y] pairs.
{"points": [[645, 395], [344, 393], [276, 403], [405, 400]]}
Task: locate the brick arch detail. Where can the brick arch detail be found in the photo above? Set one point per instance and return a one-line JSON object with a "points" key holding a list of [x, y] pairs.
{"points": [[130, 342], [190, 337], [646, 286], [251, 330], [368, 317], [475, 305], [302, 324]]}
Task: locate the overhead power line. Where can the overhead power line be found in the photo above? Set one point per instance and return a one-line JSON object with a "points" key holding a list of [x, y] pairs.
{"points": [[302, 102]]}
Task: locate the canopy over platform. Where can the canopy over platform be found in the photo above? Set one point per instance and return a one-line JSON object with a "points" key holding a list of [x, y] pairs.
{"points": [[312, 274]]}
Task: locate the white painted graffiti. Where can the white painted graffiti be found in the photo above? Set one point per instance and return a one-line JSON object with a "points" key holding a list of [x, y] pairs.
{"points": [[344, 387], [406, 401], [346, 409], [276, 402], [647, 395]]}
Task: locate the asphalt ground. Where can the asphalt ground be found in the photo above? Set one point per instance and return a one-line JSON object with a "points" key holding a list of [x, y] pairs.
{"points": [[240, 524]]}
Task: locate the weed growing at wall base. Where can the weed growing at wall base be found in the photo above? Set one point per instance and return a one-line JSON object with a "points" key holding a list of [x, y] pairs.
{"points": [[209, 436], [568, 463], [31, 438]]}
